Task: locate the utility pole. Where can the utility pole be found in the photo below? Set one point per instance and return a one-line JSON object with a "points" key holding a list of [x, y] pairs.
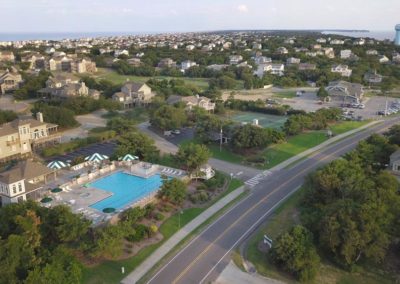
{"points": [[220, 140]]}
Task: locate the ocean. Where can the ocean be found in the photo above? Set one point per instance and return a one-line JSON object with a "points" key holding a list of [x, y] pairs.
{"points": [[378, 35], [60, 36]]}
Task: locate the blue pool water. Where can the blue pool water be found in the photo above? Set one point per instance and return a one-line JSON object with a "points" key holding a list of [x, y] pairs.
{"points": [[126, 189]]}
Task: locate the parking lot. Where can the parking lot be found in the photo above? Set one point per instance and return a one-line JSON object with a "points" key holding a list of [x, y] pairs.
{"points": [[106, 148], [309, 102]]}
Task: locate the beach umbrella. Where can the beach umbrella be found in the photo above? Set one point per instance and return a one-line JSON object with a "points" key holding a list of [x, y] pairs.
{"points": [[56, 165], [96, 157], [129, 157]]}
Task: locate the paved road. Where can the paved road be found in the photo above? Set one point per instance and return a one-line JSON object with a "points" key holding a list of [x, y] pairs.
{"points": [[205, 257]]}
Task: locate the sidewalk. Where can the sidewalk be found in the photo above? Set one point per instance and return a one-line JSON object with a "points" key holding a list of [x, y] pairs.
{"points": [[165, 248], [173, 241]]}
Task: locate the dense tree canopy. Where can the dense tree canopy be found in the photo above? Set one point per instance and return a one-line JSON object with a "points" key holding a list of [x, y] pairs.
{"points": [[294, 251], [192, 156], [173, 190], [137, 143]]}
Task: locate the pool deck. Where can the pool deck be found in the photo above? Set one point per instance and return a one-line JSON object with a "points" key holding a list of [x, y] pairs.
{"points": [[80, 197]]}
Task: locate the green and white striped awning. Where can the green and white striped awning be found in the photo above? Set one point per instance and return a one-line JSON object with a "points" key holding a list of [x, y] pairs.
{"points": [[96, 157], [56, 165], [129, 157]]}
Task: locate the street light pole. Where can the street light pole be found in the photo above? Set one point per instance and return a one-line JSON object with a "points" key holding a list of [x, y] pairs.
{"points": [[220, 140]]}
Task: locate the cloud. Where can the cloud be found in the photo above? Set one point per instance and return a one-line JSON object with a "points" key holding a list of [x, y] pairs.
{"points": [[242, 8]]}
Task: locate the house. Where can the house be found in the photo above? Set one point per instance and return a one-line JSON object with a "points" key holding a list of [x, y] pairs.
{"points": [[190, 47], [383, 59], [345, 54], [396, 57], [167, 63], [342, 69], [262, 59], [63, 86], [187, 64], [217, 67], [20, 136], [235, 59], [9, 80], [292, 60], [72, 64], [26, 180], [373, 78], [359, 41], [36, 61], [118, 52], [336, 42], [394, 165], [273, 68], [257, 45], [307, 66], [7, 56], [202, 102], [134, 94], [321, 40], [329, 52], [135, 62], [372, 52], [345, 91], [282, 50]]}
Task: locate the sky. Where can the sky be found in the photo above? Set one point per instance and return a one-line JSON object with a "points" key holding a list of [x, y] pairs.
{"points": [[26, 16]]}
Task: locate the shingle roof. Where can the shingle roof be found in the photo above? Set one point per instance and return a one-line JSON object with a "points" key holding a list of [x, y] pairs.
{"points": [[24, 170]]}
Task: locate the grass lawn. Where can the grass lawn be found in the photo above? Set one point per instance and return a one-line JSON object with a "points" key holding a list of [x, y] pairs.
{"points": [[110, 271], [116, 78], [286, 216], [286, 94], [278, 153], [346, 126]]}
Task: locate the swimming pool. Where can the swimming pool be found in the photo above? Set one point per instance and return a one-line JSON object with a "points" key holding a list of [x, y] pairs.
{"points": [[126, 189]]}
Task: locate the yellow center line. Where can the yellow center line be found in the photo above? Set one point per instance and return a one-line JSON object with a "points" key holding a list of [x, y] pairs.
{"points": [[180, 275]]}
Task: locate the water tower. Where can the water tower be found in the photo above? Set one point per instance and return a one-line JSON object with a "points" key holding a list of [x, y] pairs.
{"points": [[397, 40]]}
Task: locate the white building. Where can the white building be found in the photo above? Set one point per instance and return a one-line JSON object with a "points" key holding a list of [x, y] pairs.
{"points": [[185, 65], [342, 69], [345, 53]]}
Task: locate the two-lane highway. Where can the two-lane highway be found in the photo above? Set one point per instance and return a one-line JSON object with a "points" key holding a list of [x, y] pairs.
{"points": [[204, 258]]}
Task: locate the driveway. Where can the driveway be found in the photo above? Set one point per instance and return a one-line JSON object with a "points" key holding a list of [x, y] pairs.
{"points": [[7, 102], [87, 122]]}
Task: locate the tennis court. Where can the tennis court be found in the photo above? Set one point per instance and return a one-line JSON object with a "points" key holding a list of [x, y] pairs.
{"points": [[264, 120]]}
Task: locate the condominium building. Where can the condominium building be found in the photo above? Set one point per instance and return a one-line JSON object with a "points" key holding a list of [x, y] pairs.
{"points": [[19, 137]]}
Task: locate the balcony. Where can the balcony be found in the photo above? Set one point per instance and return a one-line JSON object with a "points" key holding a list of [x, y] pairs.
{"points": [[13, 142]]}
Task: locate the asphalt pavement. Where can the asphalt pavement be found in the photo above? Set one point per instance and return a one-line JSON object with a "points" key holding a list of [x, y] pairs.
{"points": [[206, 256]]}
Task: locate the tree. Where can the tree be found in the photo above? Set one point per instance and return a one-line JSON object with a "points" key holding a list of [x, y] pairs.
{"points": [[168, 117], [296, 124], [7, 116], [136, 143], [107, 242], [173, 190], [192, 156], [294, 252], [394, 134], [61, 268], [250, 137]]}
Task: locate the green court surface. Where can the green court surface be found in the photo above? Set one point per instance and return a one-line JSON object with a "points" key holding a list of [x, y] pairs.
{"points": [[264, 120]]}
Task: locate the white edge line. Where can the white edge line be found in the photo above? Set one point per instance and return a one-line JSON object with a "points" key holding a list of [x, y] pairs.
{"points": [[251, 228], [201, 233]]}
